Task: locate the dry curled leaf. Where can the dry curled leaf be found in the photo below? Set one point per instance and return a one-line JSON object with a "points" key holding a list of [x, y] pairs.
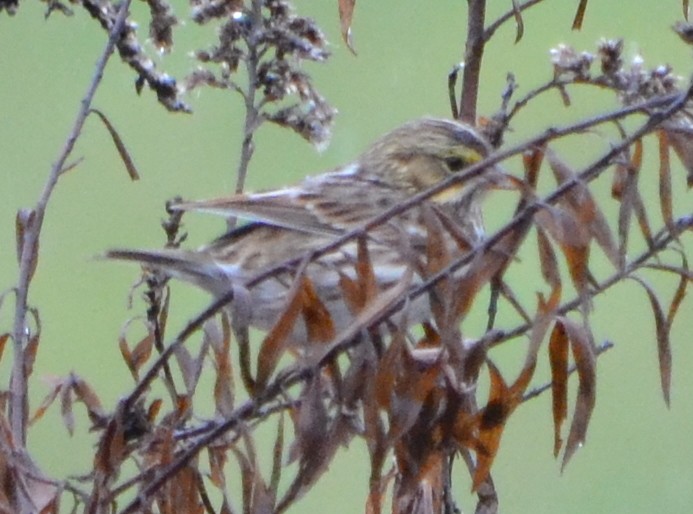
{"points": [[665, 198], [519, 23], [136, 357], [579, 15], [585, 362], [663, 329], [346, 13], [24, 222], [558, 358], [119, 144], [581, 203], [682, 143], [3, 341]]}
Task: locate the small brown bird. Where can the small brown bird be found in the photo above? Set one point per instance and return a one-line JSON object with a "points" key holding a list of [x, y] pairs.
{"points": [[288, 223]]}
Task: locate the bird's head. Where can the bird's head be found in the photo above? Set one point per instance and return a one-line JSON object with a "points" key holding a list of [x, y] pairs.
{"points": [[424, 152]]}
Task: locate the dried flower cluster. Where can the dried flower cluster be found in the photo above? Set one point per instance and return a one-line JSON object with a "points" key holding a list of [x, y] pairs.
{"points": [[272, 42], [634, 84]]}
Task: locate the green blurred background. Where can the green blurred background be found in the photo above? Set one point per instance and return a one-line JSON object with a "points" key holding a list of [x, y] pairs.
{"points": [[639, 455]]}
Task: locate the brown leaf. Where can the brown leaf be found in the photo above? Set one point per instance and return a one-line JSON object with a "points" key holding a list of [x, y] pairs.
{"points": [[30, 353], [88, 397], [111, 449], [437, 258], [625, 189], [66, 409], [579, 200], [346, 13], [275, 342], [531, 161], [503, 400], [665, 199], [120, 146], [643, 222], [181, 493], [189, 367], [682, 143], [492, 419], [314, 445], [316, 317], [540, 325], [662, 329], [572, 237], [374, 312], [558, 358], [357, 292], [387, 371], [548, 262], [680, 293], [57, 385], [139, 355], [153, 410], [365, 272], [585, 362], [223, 382], [519, 24], [24, 221], [3, 341], [484, 268], [579, 15], [626, 171], [414, 381], [217, 460], [277, 457]]}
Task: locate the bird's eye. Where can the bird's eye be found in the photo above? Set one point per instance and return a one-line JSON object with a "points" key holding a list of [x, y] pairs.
{"points": [[455, 163]]}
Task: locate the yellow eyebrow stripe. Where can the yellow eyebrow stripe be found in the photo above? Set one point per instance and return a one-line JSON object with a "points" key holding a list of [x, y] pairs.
{"points": [[469, 155]]}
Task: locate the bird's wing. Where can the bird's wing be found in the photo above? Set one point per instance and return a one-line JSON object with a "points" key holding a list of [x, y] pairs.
{"points": [[283, 208], [327, 204]]}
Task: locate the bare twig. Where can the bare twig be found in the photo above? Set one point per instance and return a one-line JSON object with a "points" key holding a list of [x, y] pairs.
{"points": [[252, 113]]}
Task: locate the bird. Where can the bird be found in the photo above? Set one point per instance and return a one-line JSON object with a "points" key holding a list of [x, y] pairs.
{"points": [[292, 222]]}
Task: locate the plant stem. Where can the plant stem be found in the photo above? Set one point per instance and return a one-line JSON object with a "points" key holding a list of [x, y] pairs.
{"points": [[251, 110], [473, 55], [29, 243]]}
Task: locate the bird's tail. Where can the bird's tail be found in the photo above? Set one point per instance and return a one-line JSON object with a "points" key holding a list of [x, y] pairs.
{"points": [[184, 265]]}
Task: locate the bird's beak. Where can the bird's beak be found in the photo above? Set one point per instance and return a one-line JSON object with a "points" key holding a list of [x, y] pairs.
{"points": [[497, 178]]}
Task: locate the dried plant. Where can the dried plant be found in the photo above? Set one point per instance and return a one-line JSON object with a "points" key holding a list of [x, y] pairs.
{"points": [[410, 394]]}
